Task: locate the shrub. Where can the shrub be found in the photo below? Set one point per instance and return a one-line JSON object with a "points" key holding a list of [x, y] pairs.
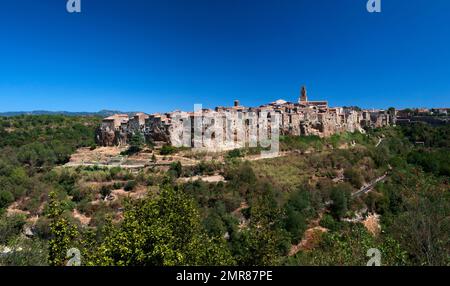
{"points": [[340, 196], [105, 191], [167, 150], [130, 185], [114, 172], [204, 168], [117, 185], [10, 227], [214, 225], [42, 228], [236, 153], [77, 195], [176, 169], [5, 198], [328, 222], [354, 177]]}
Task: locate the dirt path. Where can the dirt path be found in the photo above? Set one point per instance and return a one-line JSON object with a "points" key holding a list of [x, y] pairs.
{"points": [[310, 240], [311, 237], [369, 187], [84, 220], [208, 179]]}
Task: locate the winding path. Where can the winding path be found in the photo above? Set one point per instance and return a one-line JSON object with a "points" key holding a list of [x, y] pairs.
{"points": [[369, 187]]}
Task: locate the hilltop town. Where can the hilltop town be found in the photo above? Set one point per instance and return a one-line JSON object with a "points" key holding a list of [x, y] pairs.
{"points": [[301, 118]]}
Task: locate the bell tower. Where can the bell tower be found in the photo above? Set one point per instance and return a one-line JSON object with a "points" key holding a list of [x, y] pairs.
{"points": [[303, 95]]}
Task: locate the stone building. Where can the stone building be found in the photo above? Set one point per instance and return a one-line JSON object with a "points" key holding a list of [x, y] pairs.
{"points": [[113, 130]]}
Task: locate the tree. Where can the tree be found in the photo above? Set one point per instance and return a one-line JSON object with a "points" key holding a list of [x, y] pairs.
{"points": [[165, 231], [130, 185], [136, 143], [423, 229], [62, 233], [265, 241], [10, 227], [348, 247], [105, 191], [214, 225], [354, 177], [298, 209], [296, 224], [241, 177], [5, 198], [340, 196], [33, 252], [176, 169]]}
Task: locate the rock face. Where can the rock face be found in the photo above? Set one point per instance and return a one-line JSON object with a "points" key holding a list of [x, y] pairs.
{"points": [[228, 128], [105, 137]]}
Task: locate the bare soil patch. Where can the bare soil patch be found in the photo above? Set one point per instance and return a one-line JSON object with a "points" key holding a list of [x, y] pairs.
{"points": [[372, 223], [84, 220]]}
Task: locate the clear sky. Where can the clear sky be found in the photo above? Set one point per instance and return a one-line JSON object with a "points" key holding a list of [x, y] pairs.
{"points": [[161, 55]]}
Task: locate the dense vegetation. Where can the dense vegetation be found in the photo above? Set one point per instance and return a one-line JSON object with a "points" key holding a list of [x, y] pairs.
{"points": [[259, 215], [30, 146]]}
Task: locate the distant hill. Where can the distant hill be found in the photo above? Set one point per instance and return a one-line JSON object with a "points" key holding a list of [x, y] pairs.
{"points": [[101, 113]]}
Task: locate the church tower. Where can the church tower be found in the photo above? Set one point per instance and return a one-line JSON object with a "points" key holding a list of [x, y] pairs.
{"points": [[303, 96]]}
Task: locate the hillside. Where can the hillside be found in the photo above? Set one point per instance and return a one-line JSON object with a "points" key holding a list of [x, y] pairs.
{"points": [[321, 202]]}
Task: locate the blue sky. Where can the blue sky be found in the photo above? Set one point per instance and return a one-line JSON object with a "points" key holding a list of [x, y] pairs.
{"points": [[161, 55]]}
